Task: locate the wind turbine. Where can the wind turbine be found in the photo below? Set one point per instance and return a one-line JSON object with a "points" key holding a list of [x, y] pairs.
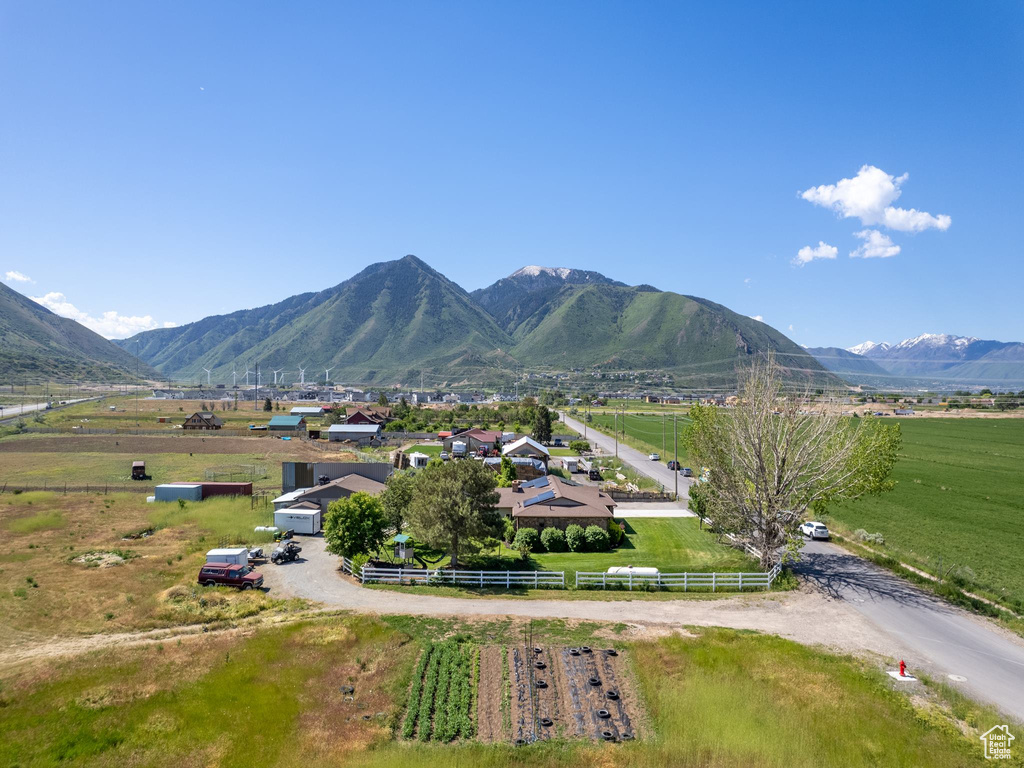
{"points": [[275, 375], [302, 376], [327, 376], [207, 377], [247, 372], [234, 377]]}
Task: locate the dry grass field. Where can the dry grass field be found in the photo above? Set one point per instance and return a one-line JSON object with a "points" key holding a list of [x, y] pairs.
{"points": [[85, 563]]}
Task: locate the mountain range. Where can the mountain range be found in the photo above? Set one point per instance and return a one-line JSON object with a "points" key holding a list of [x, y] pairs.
{"points": [[935, 358], [36, 343], [402, 322]]}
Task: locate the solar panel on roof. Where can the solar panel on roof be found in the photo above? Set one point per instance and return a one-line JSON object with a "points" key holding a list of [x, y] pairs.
{"points": [[546, 496], [539, 482]]}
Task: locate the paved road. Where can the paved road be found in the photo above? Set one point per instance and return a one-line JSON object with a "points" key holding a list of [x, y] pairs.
{"points": [[655, 470], [11, 413], [941, 640]]}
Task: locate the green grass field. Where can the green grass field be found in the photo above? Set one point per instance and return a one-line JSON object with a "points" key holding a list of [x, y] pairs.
{"points": [[96, 469], [648, 432], [959, 501], [715, 699]]}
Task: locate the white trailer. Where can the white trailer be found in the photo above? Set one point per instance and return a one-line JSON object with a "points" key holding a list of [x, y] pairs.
{"points": [[233, 555], [305, 521], [458, 448]]}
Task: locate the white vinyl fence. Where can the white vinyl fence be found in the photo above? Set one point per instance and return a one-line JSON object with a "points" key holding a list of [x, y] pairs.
{"points": [[556, 579], [687, 581], [505, 579]]}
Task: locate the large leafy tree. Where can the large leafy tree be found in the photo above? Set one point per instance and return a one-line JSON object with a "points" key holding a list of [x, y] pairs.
{"points": [[453, 508], [355, 525], [776, 456], [542, 424], [396, 498], [507, 474]]}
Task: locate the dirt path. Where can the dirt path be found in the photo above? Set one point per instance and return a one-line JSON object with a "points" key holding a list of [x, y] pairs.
{"points": [[488, 717]]}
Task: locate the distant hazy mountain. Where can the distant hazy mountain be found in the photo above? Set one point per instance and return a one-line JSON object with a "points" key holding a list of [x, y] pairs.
{"points": [[849, 365], [396, 320], [36, 344], [867, 346], [945, 357]]}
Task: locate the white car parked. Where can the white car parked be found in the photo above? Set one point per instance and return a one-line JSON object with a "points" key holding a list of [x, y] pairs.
{"points": [[813, 530], [654, 457]]}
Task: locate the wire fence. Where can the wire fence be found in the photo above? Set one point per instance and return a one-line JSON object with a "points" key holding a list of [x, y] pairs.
{"points": [[69, 488]]}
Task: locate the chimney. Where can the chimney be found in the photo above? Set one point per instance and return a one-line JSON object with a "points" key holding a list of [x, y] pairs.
{"points": [[517, 486]]}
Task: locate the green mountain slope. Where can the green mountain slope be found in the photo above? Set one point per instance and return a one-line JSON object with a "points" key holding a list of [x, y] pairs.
{"points": [[36, 344], [700, 342], [528, 291], [390, 322], [398, 320]]}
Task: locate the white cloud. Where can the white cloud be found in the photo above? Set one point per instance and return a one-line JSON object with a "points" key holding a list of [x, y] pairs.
{"points": [[746, 281], [791, 326], [14, 276], [807, 254], [110, 324], [869, 197], [757, 317], [876, 245]]}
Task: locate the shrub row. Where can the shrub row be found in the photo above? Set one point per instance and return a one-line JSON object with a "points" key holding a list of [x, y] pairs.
{"points": [[574, 538]]}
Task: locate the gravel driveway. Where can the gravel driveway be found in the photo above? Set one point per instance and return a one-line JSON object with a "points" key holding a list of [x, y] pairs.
{"points": [[806, 616]]}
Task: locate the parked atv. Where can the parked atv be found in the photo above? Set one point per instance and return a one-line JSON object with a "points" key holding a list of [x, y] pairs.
{"points": [[286, 553]]}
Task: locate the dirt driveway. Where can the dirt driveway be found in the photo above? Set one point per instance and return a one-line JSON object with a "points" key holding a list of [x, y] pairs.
{"points": [[806, 615]]}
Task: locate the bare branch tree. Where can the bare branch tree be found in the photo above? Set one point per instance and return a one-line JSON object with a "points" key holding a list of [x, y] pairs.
{"points": [[774, 456]]}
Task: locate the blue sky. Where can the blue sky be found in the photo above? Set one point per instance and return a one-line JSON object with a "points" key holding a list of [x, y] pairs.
{"points": [[162, 162]]}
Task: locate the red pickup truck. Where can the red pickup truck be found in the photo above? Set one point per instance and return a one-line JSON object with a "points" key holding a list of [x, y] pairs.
{"points": [[230, 575]]}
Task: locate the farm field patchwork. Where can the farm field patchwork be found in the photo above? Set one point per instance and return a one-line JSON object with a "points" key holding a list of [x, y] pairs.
{"points": [[959, 500], [335, 691]]}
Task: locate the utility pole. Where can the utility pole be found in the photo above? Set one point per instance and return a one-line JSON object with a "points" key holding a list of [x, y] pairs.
{"points": [[675, 438], [136, 383], [616, 429], [664, 418], [256, 396]]}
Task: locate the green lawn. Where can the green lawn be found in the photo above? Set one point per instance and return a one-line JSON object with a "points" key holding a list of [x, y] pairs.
{"points": [[670, 544], [959, 498]]}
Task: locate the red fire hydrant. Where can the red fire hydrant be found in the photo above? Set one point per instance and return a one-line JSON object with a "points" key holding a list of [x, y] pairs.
{"points": [[903, 668]]}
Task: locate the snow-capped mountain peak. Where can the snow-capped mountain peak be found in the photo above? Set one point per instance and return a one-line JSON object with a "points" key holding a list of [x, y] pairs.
{"points": [[535, 271], [936, 340], [868, 346]]}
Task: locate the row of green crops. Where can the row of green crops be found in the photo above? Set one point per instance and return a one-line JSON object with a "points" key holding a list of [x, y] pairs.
{"points": [[442, 696]]}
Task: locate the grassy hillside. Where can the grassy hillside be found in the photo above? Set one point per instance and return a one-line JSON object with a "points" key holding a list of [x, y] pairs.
{"points": [[397, 320], [38, 345], [629, 327], [392, 320], [959, 498]]}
